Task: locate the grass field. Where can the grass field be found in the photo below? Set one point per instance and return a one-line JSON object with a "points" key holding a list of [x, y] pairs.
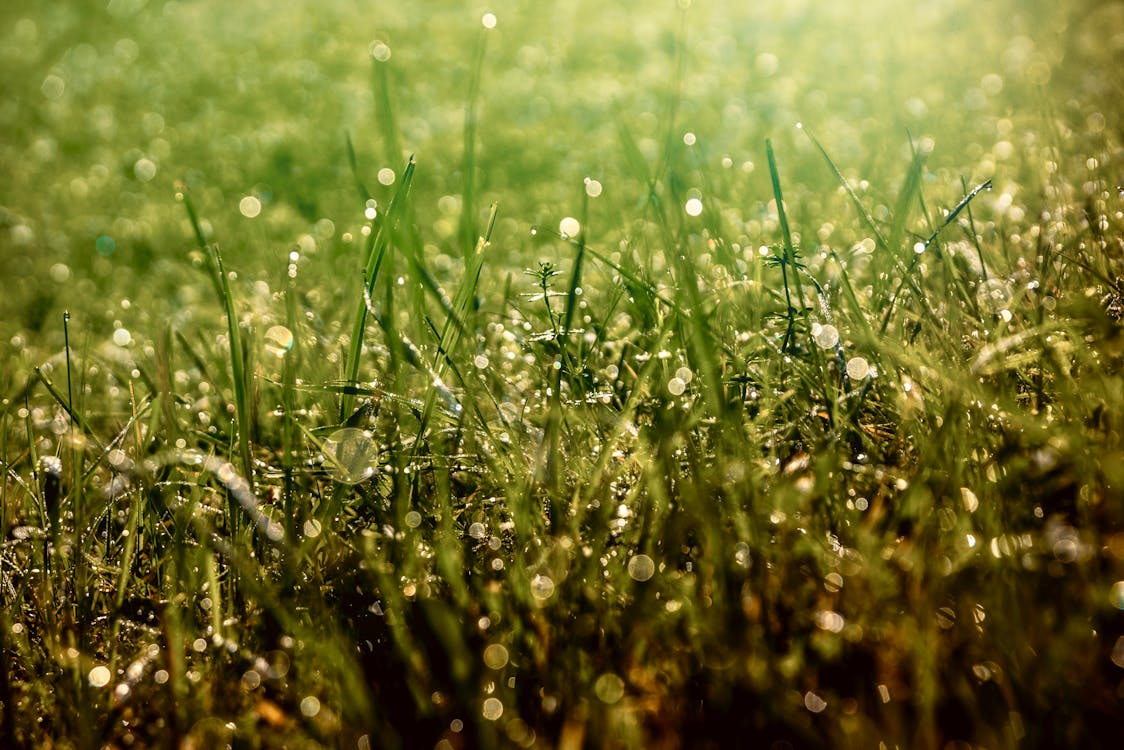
{"points": [[641, 376]]}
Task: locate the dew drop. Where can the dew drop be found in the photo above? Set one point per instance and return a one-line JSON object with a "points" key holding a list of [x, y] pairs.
{"points": [[542, 587], [825, 337], [249, 207], [495, 656], [99, 676], [814, 703], [1116, 596], [386, 176], [489, 20], [593, 188], [693, 207], [310, 706], [380, 51], [609, 688], [350, 455], [969, 499], [492, 709], [569, 227], [641, 568], [857, 368], [144, 169], [278, 341], [105, 245]]}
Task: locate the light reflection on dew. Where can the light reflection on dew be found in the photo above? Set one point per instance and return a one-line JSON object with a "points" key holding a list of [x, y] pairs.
{"points": [[249, 206], [542, 587], [857, 368], [693, 207], [99, 676], [386, 177], [496, 656], [676, 386], [413, 519], [1118, 652], [144, 169], [489, 20], [826, 337], [814, 703], [569, 227], [593, 188], [278, 341], [1117, 595], [641, 568], [310, 706], [492, 709], [380, 51], [350, 455], [969, 499], [609, 688]]}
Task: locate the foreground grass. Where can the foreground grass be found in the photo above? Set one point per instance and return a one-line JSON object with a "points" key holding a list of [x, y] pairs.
{"points": [[683, 452]]}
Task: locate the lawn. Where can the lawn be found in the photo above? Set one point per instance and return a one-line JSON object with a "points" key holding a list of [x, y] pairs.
{"points": [[650, 375]]}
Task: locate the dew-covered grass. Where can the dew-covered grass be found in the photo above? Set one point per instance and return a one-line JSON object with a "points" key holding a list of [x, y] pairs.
{"points": [[630, 376]]}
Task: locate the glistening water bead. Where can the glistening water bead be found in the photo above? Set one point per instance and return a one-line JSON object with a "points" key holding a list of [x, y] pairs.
{"points": [[641, 568], [278, 341], [350, 455], [569, 227]]}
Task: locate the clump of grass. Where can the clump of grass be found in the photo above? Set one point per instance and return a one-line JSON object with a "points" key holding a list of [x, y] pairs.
{"points": [[832, 472]]}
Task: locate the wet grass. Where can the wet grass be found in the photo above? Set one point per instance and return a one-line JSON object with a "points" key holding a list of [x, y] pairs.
{"points": [[571, 397]]}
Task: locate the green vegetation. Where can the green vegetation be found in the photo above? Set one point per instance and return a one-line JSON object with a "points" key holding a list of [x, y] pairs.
{"points": [[385, 378]]}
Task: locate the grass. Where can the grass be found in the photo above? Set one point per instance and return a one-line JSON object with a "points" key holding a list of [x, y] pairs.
{"points": [[522, 408]]}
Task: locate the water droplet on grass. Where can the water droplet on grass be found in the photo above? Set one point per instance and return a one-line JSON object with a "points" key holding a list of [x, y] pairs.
{"points": [[593, 188], [105, 246], [814, 703], [99, 676], [609, 688], [386, 176], [489, 20], [492, 709], [380, 51], [249, 207], [495, 656], [350, 455], [826, 337], [542, 587], [693, 207], [569, 227], [278, 341], [144, 169], [857, 368], [641, 568], [1116, 596], [310, 706]]}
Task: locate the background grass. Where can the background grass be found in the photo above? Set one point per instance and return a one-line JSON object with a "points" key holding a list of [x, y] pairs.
{"points": [[404, 459]]}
